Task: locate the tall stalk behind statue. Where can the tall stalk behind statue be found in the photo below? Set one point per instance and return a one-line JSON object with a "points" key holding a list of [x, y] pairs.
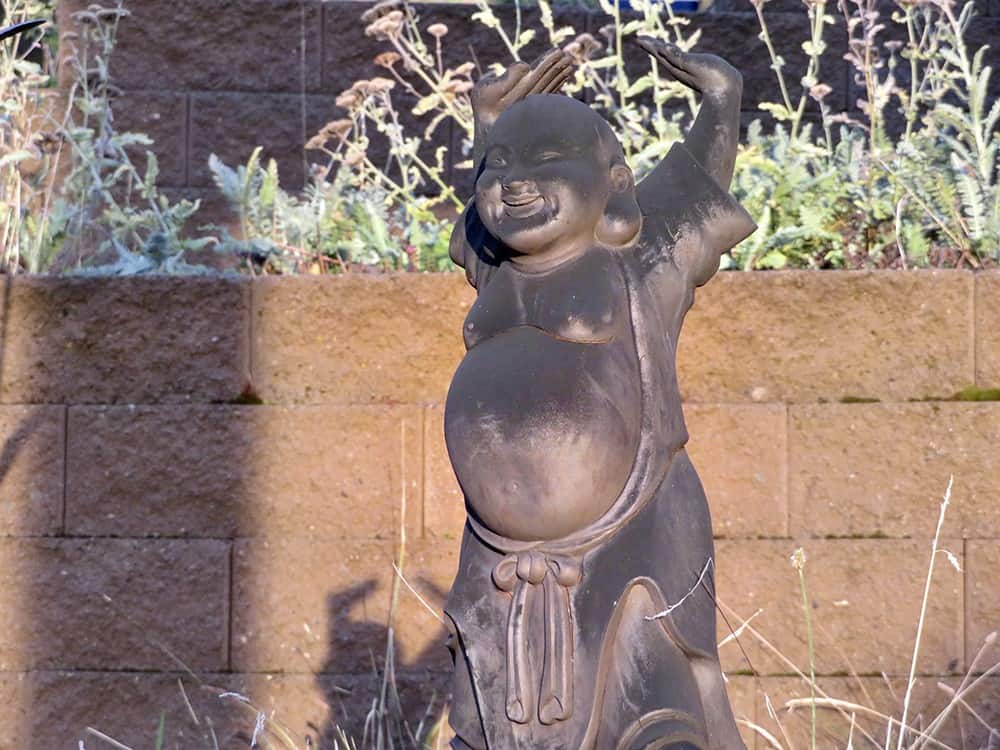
{"points": [[583, 613]]}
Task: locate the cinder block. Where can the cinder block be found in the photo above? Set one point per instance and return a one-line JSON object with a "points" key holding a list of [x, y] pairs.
{"points": [[232, 124], [308, 605], [124, 340], [113, 604], [800, 336], [32, 443], [982, 600], [864, 596], [357, 338], [200, 44], [742, 690], [988, 329], [15, 710], [741, 453], [444, 503], [127, 707], [217, 471], [163, 116], [882, 469]]}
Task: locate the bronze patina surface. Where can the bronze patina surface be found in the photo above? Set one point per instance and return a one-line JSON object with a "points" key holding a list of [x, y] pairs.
{"points": [[583, 613]]}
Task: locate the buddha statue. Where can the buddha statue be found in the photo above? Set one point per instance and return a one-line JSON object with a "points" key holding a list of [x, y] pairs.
{"points": [[583, 613]]}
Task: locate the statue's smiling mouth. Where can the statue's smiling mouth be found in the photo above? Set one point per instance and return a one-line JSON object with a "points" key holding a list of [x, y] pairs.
{"points": [[522, 205]]}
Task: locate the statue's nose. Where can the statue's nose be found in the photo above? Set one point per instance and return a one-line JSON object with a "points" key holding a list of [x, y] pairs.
{"points": [[518, 185]]}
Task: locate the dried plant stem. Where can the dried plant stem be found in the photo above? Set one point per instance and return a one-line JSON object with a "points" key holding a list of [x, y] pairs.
{"points": [[799, 560], [914, 48], [416, 593], [816, 11], [928, 735], [776, 62], [110, 740], [621, 80], [923, 611], [791, 666], [768, 737]]}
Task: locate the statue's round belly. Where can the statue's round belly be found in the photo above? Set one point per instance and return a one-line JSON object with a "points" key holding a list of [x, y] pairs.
{"points": [[542, 432]]}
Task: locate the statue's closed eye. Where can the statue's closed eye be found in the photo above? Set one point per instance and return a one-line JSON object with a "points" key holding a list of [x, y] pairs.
{"points": [[548, 156]]}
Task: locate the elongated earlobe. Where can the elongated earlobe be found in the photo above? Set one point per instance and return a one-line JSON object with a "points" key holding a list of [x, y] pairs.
{"points": [[622, 219]]}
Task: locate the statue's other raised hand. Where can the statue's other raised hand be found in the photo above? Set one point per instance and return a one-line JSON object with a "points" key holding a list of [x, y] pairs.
{"points": [[707, 74], [493, 94]]}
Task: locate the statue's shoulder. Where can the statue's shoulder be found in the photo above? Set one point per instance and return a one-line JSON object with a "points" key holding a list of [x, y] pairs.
{"points": [[680, 198]]}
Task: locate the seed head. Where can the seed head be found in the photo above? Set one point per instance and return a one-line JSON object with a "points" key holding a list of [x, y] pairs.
{"points": [[387, 59], [798, 559], [820, 91], [387, 26]]}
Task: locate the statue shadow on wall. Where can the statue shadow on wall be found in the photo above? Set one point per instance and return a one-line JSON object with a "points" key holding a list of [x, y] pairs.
{"points": [[369, 689]]}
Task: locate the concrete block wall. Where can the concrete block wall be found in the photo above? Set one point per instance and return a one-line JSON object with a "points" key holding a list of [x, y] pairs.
{"points": [[212, 475], [204, 76]]}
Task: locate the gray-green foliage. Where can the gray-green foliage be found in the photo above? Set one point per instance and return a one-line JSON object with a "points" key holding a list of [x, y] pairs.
{"points": [[329, 226], [25, 166], [110, 217], [105, 215], [863, 193]]}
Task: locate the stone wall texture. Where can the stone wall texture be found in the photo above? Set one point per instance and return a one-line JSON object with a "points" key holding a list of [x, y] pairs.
{"points": [[204, 483], [224, 76]]}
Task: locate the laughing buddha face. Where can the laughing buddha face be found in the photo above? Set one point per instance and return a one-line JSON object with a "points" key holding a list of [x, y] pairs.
{"points": [[554, 182]]}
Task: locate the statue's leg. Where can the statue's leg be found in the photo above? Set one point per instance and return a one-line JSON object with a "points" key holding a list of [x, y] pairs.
{"points": [[722, 731], [651, 695], [464, 713]]}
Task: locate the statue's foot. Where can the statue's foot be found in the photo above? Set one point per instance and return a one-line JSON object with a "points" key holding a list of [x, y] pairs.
{"points": [[664, 730]]}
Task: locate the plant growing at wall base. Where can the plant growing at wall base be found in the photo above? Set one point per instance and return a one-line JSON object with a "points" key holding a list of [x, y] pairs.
{"points": [[331, 226], [111, 217], [29, 154], [72, 198]]}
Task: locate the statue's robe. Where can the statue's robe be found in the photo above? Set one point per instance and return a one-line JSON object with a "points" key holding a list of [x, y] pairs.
{"points": [[557, 644]]}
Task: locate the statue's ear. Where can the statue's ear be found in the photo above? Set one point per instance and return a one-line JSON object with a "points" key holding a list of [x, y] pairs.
{"points": [[622, 219]]}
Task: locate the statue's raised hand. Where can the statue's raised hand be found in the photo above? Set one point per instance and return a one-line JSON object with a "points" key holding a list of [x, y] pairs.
{"points": [[493, 93], [707, 74]]}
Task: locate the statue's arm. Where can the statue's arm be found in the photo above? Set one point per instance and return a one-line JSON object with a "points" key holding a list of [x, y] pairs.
{"points": [[714, 137], [687, 194]]}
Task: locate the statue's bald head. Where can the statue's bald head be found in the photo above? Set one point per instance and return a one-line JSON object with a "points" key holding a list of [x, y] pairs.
{"points": [[561, 119], [554, 175]]}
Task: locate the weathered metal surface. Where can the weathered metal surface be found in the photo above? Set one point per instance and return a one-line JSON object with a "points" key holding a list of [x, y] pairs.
{"points": [[583, 613]]}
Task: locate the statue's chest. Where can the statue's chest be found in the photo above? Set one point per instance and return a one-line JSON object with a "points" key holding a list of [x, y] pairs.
{"points": [[585, 302]]}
